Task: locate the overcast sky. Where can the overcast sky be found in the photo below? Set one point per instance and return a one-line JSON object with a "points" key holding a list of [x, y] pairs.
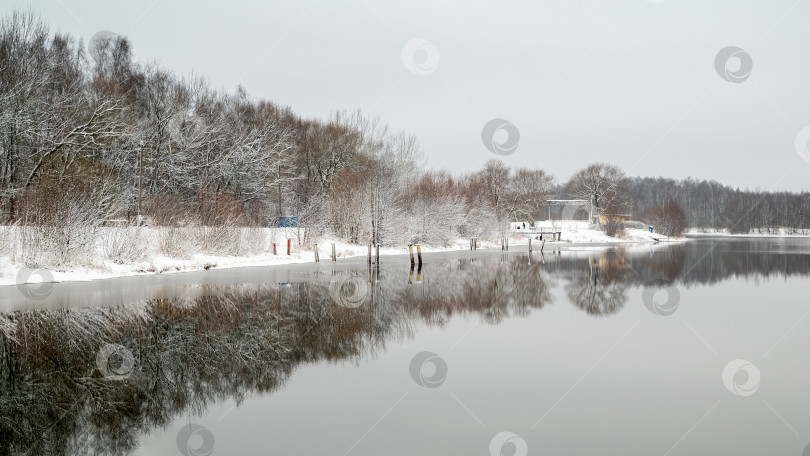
{"points": [[631, 82]]}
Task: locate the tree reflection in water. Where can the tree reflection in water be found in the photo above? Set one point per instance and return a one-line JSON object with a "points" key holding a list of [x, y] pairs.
{"points": [[245, 339]]}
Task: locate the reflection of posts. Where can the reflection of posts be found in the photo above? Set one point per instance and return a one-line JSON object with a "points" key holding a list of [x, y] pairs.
{"points": [[418, 274]]}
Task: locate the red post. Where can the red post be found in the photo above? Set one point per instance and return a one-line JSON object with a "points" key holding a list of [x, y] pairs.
{"points": [[289, 244], [275, 251]]}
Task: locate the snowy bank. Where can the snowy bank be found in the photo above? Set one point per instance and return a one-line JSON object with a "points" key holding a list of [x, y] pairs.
{"points": [[755, 233], [122, 252]]}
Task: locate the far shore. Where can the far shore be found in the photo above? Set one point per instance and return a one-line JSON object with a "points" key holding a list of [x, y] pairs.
{"points": [[749, 235]]}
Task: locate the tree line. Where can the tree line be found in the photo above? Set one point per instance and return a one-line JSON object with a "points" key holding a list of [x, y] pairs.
{"points": [[89, 137]]}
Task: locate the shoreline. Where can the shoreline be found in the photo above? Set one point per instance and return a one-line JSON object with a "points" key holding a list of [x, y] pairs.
{"points": [[756, 235], [18, 275]]}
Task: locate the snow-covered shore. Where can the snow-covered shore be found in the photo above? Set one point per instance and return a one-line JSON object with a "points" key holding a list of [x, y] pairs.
{"points": [[777, 233], [11, 273]]}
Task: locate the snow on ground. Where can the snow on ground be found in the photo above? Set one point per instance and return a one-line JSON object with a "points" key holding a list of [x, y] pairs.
{"points": [[574, 233], [778, 232], [579, 231]]}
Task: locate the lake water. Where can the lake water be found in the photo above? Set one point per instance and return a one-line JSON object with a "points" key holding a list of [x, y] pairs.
{"points": [[682, 349]]}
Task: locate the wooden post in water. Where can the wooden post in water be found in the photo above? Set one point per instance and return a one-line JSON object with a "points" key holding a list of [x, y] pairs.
{"points": [[275, 251], [530, 245], [369, 254], [378, 255], [317, 260], [334, 254], [419, 254], [410, 250], [507, 243], [289, 245]]}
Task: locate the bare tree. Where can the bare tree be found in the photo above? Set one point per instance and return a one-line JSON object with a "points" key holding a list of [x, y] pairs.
{"points": [[603, 184]]}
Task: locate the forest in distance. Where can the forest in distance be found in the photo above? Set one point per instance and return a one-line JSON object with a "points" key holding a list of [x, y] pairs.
{"points": [[91, 138]]}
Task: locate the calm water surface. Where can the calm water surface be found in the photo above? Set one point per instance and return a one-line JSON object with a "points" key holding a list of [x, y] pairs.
{"points": [[695, 348]]}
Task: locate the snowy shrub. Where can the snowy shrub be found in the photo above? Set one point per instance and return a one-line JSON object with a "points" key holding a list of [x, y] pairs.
{"points": [[59, 224], [222, 239], [125, 244], [176, 242]]}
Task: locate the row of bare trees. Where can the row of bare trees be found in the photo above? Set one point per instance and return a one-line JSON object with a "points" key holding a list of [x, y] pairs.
{"points": [[91, 138]]}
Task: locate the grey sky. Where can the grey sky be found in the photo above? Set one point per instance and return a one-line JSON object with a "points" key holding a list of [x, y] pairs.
{"points": [[631, 82]]}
